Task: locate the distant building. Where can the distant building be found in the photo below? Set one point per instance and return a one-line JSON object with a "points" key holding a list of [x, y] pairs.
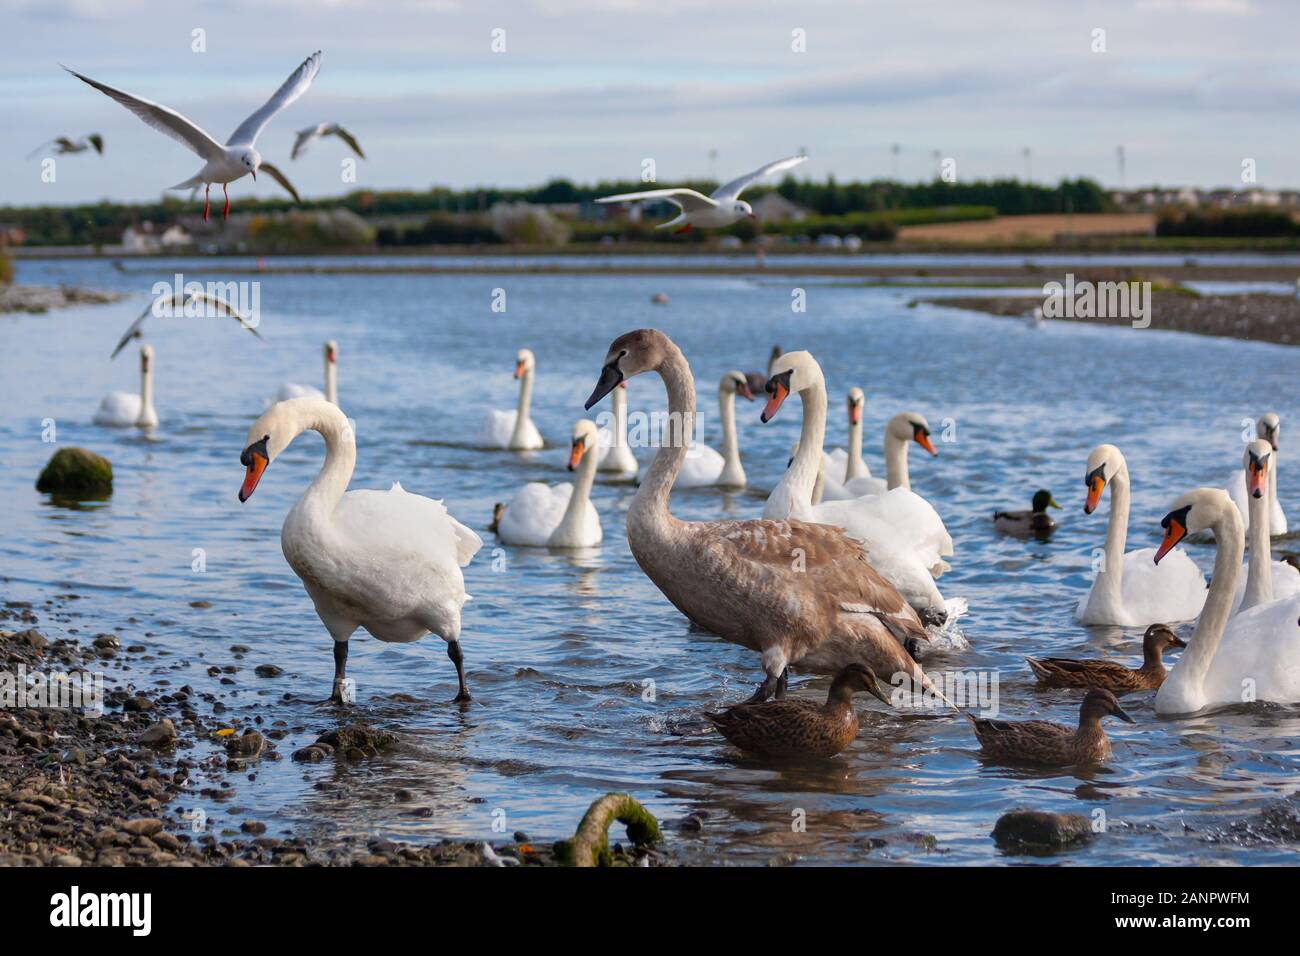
{"points": [[175, 237], [141, 239], [773, 207]]}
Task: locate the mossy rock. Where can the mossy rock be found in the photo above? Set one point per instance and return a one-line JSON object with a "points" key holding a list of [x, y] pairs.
{"points": [[76, 472], [590, 844], [1037, 828]]}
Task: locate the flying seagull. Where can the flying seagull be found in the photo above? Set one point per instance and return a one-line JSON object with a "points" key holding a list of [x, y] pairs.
{"points": [[236, 159], [723, 207], [312, 133], [178, 301], [64, 145]]}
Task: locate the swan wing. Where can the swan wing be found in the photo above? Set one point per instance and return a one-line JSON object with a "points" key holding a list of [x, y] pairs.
{"points": [[701, 467], [533, 513]]}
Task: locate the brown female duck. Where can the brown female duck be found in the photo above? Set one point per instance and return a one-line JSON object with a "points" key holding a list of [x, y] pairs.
{"points": [[794, 727], [1111, 675], [1049, 744]]}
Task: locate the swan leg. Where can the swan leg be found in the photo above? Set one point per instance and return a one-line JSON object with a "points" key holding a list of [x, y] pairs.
{"points": [[765, 690], [340, 672], [457, 658], [775, 665], [783, 683]]}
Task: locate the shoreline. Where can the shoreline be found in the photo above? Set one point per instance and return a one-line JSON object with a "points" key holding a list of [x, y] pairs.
{"points": [[1250, 316], [125, 787]]}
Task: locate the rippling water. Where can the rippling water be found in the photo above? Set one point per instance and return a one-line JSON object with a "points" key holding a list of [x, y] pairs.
{"points": [[558, 647]]}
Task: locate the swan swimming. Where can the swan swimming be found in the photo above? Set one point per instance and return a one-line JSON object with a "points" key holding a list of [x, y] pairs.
{"points": [[123, 409], [558, 516], [513, 429]]}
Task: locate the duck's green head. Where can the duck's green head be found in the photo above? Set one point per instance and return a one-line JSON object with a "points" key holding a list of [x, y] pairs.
{"points": [[1043, 500]]}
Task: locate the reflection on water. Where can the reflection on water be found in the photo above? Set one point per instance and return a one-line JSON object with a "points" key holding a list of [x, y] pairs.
{"points": [[585, 678]]}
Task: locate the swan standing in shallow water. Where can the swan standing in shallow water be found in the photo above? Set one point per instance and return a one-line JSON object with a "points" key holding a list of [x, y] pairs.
{"points": [[1129, 590], [704, 467], [388, 561], [797, 593], [124, 410], [1269, 429], [558, 516], [615, 455], [514, 429], [904, 538], [1266, 579], [331, 394], [1253, 656]]}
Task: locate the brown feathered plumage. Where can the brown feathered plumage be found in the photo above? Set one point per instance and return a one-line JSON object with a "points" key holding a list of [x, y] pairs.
{"points": [[1111, 675], [1051, 744]]}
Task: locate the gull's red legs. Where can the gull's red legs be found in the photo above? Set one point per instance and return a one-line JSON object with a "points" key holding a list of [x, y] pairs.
{"points": [[206, 205], [225, 213]]}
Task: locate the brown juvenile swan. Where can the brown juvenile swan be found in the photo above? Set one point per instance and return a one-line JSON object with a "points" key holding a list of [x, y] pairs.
{"points": [[795, 592]]}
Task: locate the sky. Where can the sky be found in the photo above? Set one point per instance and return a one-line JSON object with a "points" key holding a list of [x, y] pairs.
{"points": [[589, 89]]}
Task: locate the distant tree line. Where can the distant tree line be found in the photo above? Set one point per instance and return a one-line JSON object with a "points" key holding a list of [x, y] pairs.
{"points": [[102, 223], [1243, 223]]}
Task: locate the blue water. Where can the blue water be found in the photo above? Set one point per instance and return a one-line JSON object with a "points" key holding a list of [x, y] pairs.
{"points": [[559, 647]]}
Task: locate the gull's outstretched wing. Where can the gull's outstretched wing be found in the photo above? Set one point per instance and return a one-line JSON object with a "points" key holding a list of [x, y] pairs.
{"points": [[688, 200], [348, 138], [304, 138], [279, 177], [179, 300], [733, 189], [292, 88], [161, 118], [97, 141], [37, 151]]}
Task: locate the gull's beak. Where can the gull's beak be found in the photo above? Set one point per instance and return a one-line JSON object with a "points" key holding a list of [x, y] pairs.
{"points": [[1255, 480], [255, 458], [1051, 503], [1095, 486], [253, 172], [752, 216], [778, 391], [1174, 532], [576, 451], [923, 439], [855, 413], [610, 377], [519, 369]]}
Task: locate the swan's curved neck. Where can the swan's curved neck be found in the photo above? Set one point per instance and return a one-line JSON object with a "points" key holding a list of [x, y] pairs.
{"points": [[854, 469], [1259, 573], [619, 439], [331, 382], [524, 407], [733, 473], [896, 473], [801, 478], [649, 512], [1272, 495], [576, 511], [1112, 571], [146, 390], [1228, 545], [326, 490]]}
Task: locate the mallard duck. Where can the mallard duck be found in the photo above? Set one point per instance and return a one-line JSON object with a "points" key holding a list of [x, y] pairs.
{"points": [[1111, 675], [1036, 521], [795, 727], [1051, 744], [498, 512]]}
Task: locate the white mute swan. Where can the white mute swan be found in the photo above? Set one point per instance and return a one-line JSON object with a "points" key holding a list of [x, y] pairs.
{"points": [[904, 538], [1129, 590], [615, 455], [900, 432], [1269, 429], [331, 394], [514, 429], [388, 561], [843, 466], [122, 409], [1265, 579], [704, 467], [797, 593], [1256, 655], [558, 516]]}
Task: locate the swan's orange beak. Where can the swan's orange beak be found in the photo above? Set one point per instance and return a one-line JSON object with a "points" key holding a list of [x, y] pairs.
{"points": [[1256, 479], [855, 413], [576, 452], [923, 439], [1096, 484], [331, 355], [777, 394], [255, 459], [519, 369], [1175, 531]]}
